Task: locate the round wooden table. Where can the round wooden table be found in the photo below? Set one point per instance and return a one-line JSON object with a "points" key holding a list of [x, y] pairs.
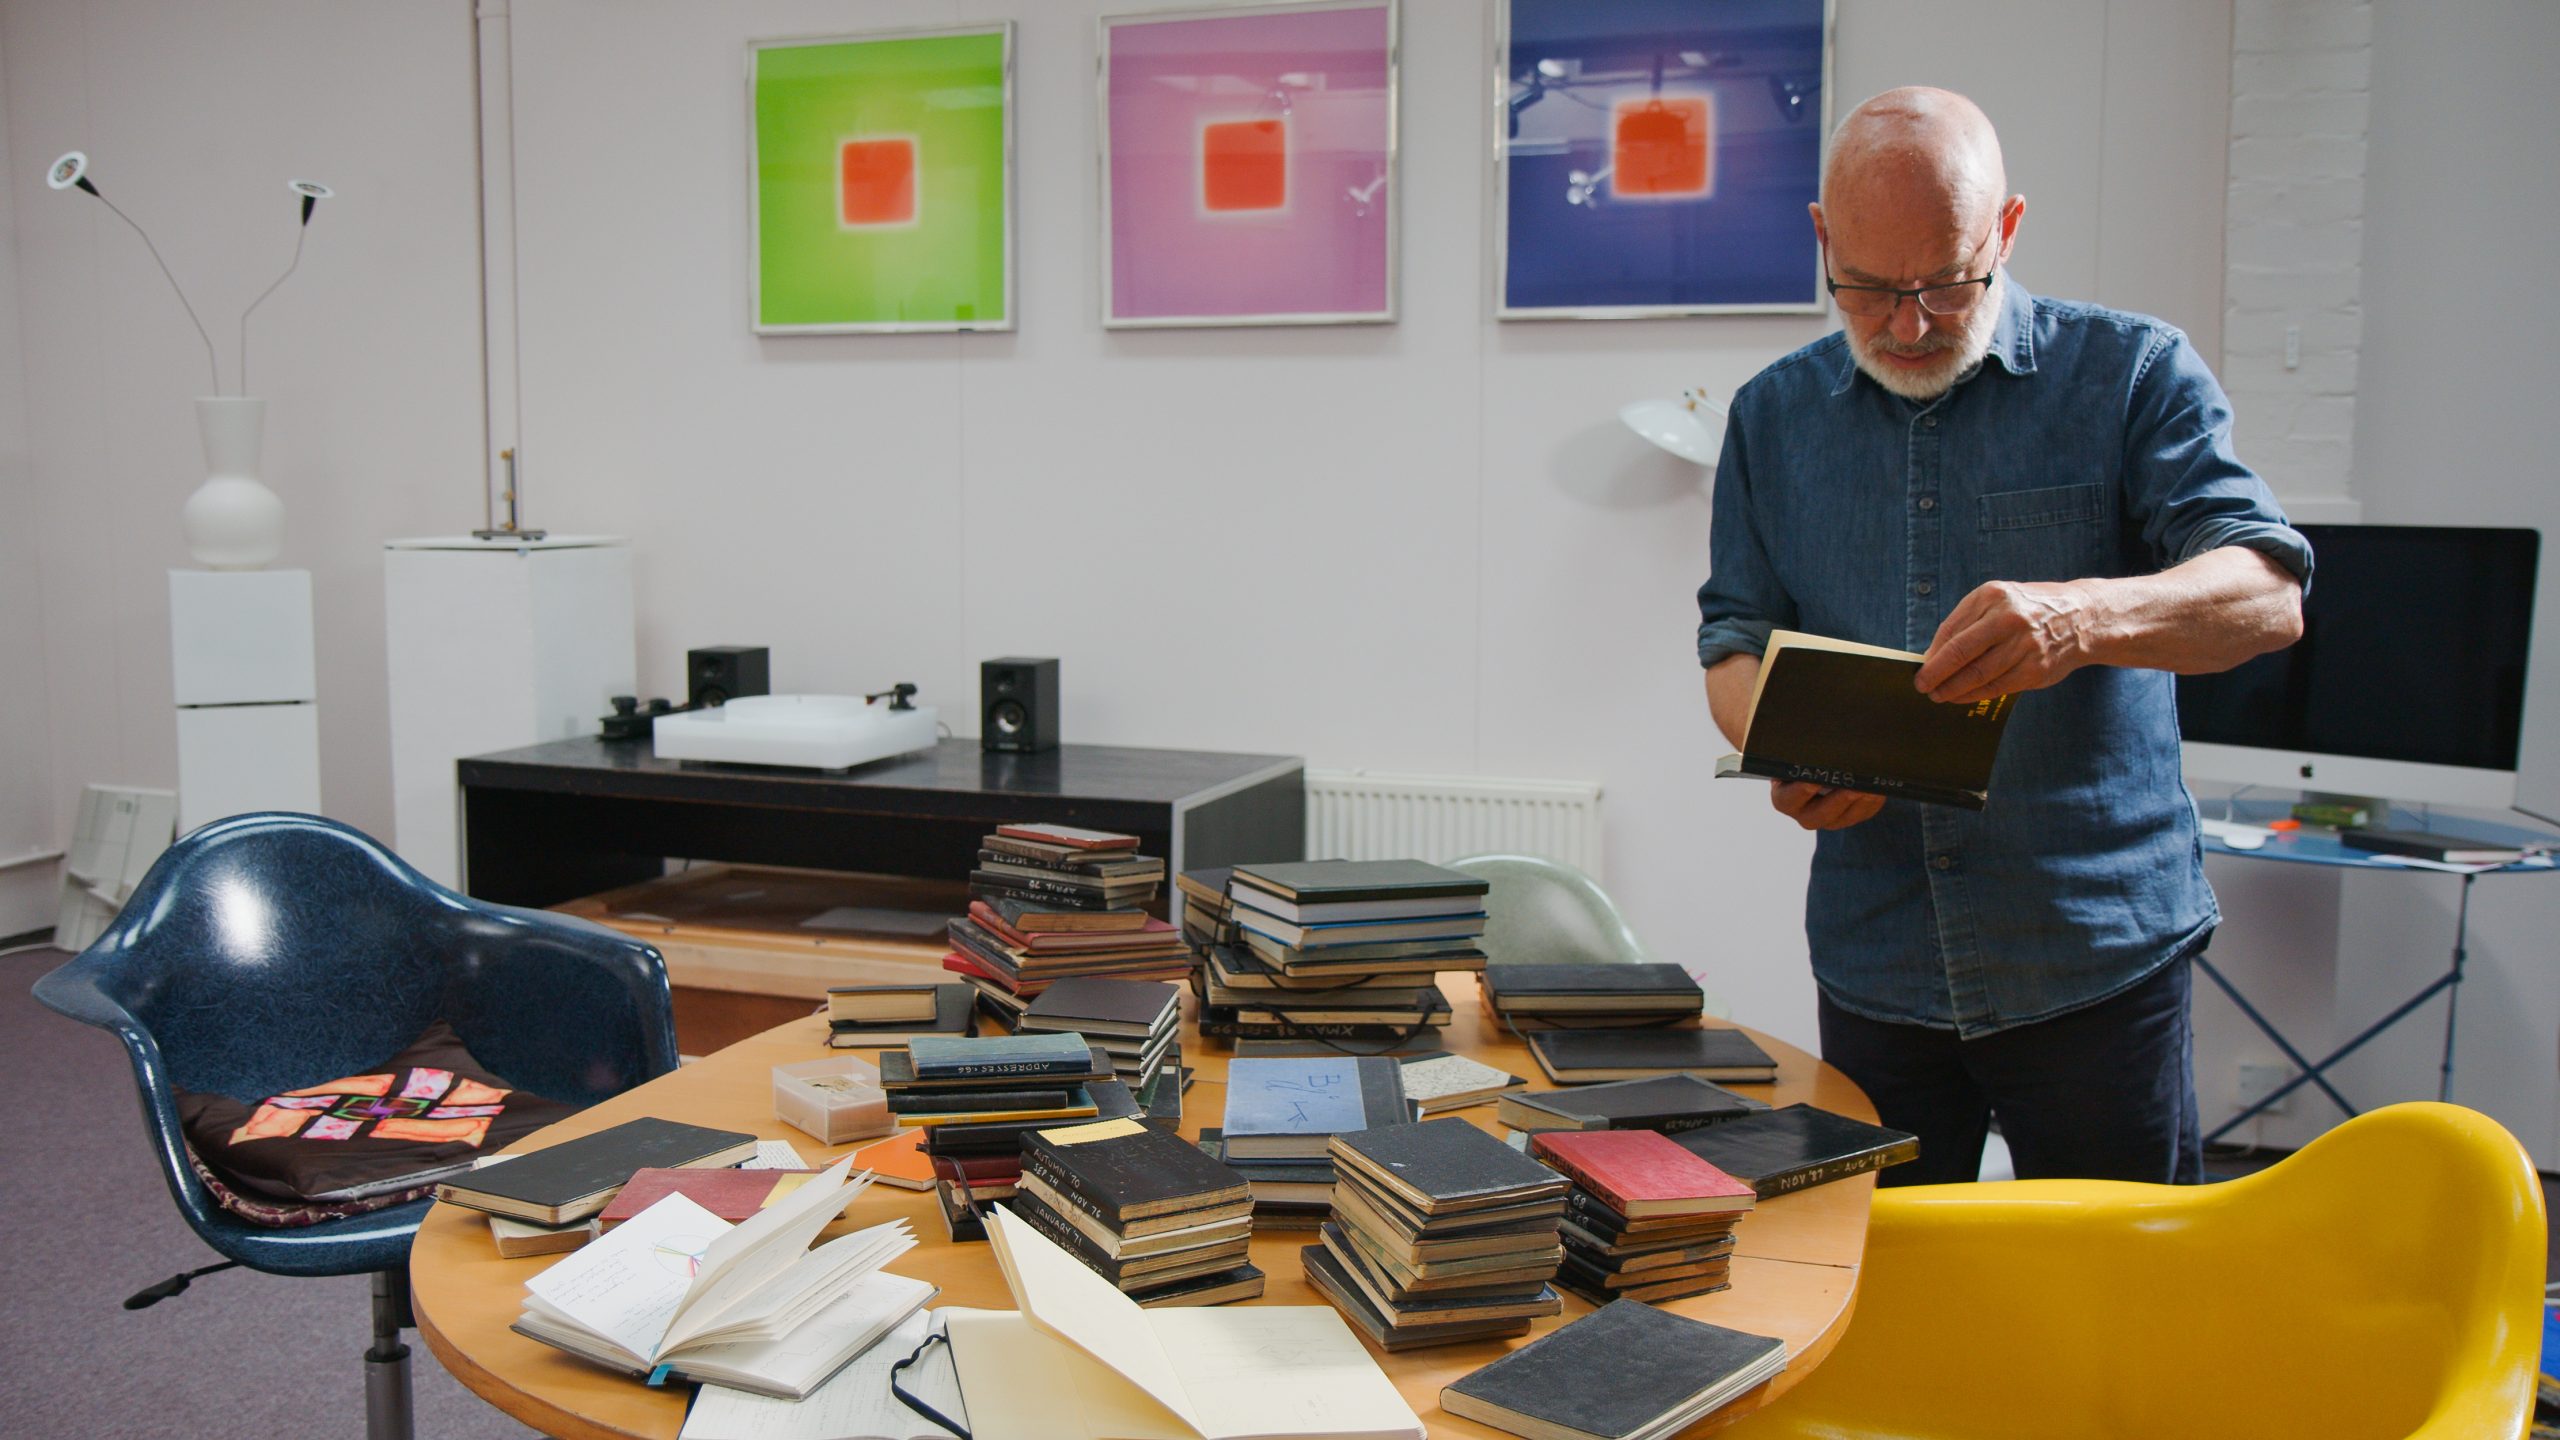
{"points": [[1795, 1267]]}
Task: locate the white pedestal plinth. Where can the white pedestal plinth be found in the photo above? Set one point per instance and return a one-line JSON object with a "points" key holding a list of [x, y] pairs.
{"points": [[234, 758], [242, 673], [494, 645]]}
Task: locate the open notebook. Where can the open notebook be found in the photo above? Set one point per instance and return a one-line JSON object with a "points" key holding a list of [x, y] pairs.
{"points": [[1080, 1361], [747, 1305]]}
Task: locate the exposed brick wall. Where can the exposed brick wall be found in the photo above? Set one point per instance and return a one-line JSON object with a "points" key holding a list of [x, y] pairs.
{"points": [[2301, 75]]}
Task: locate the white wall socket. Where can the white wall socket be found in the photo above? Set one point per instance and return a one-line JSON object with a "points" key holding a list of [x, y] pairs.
{"points": [[2257, 1082]]}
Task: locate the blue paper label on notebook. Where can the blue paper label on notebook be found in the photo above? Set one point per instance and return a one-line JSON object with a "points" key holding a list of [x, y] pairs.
{"points": [[1316, 1095]]}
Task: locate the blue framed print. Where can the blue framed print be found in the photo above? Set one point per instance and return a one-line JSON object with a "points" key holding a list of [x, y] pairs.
{"points": [[1655, 157]]}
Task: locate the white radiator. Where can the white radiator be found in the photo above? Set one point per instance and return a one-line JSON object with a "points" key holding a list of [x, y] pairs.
{"points": [[1356, 815]]}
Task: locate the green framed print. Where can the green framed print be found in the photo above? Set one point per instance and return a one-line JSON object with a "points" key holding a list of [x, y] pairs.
{"points": [[880, 171]]}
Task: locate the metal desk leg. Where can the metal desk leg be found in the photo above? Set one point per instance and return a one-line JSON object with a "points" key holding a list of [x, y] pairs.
{"points": [[2453, 991], [2316, 1072], [2308, 1070]]}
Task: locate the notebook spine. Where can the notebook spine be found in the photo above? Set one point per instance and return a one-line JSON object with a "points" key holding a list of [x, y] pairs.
{"points": [[1884, 785], [1838, 1168]]}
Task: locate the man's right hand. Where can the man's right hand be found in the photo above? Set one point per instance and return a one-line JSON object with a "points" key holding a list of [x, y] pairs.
{"points": [[1820, 807]]}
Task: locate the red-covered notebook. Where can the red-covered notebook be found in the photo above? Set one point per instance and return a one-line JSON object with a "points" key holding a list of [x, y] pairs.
{"points": [[733, 1195], [1073, 837], [1641, 1173]]}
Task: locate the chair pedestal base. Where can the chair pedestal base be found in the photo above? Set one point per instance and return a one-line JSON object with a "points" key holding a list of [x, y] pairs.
{"points": [[386, 1363]]}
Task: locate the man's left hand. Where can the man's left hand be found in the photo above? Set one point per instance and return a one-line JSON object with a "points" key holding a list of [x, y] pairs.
{"points": [[2006, 637]]}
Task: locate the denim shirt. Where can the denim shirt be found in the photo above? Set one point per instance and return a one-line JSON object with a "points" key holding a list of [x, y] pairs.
{"points": [[2089, 443]]}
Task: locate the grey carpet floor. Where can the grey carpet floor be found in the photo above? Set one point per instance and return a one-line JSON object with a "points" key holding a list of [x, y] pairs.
{"points": [[85, 1221]]}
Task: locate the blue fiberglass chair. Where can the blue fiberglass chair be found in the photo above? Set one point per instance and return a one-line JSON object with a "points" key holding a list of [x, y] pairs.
{"points": [[270, 951]]}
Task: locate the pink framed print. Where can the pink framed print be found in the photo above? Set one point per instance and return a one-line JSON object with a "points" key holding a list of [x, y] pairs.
{"points": [[1248, 165]]}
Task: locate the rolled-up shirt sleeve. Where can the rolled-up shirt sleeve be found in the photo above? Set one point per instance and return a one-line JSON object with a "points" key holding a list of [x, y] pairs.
{"points": [[1741, 601], [2184, 485]]}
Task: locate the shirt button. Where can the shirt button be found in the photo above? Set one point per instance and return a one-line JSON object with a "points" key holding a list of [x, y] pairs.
{"points": [[1944, 862], [1928, 502], [1929, 422], [1924, 587]]}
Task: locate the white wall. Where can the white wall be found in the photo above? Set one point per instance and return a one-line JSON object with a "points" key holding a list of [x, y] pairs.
{"points": [[27, 822], [2300, 75], [2459, 192], [1433, 541], [2451, 429], [194, 116], [1432, 538]]}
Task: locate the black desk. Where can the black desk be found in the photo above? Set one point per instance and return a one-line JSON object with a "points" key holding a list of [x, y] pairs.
{"points": [[552, 822]]}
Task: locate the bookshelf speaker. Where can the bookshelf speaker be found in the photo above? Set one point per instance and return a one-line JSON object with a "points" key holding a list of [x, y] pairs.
{"points": [[718, 674], [1018, 704]]}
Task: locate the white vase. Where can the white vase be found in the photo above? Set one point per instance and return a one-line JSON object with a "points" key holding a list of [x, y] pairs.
{"points": [[233, 522]]}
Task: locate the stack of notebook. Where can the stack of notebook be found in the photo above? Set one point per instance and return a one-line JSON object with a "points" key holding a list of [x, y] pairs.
{"points": [[937, 1080], [1667, 1103], [1715, 1052], [1647, 1220], [1024, 932], [871, 1016], [1287, 1194], [1208, 916], [1162, 1222], [1065, 867], [976, 1098], [1439, 1233], [1282, 1114], [1341, 949], [1132, 1021], [973, 1182], [540, 1203], [1528, 997], [1245, 998]]}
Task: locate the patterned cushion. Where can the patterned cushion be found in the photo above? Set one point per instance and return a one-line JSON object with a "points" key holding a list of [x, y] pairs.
{"points": [[366, 1140]]}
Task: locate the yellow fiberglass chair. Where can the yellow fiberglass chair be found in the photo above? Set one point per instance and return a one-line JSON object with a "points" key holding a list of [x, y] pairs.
{"points": [[2384, 1283]]}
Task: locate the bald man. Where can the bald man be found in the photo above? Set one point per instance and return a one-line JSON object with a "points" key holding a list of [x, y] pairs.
{"points": [[2042, 497]]}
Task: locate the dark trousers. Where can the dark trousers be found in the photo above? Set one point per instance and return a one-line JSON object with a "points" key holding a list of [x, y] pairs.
{"points": [[2103, 1093]]}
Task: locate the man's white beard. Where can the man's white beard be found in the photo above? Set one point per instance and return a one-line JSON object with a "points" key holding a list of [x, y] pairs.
{"points": [[1957, 351]]}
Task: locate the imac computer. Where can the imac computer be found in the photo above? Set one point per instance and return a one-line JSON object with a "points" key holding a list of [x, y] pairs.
{"points": [[2409, 680]]}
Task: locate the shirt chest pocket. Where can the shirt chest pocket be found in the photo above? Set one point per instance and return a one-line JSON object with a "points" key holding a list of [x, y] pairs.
{"points": [[2052, 532]]}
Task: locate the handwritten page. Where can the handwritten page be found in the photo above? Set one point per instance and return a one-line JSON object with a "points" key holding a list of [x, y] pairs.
{"points": [[627, 1286], [800, 1362], [774, 1155], [765, 1245]]}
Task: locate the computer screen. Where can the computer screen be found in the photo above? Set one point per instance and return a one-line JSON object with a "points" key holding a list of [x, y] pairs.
{"points": [[2416, 640]]}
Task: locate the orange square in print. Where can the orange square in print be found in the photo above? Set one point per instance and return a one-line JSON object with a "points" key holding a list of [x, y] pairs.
{"points": [[876, 181], [1244, 165], [272, 1122], [472, 1092], [1662, 147], [469, 1132], [351, 1085]]}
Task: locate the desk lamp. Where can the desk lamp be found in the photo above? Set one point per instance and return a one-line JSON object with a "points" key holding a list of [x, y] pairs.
{"points": [[1691, 426]]}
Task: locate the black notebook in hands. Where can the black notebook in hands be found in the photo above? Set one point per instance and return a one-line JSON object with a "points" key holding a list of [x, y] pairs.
{"points": [[1837, 713]]}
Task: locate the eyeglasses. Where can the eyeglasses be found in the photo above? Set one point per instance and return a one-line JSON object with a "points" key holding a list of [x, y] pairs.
{"points": [[1874, 301]]}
